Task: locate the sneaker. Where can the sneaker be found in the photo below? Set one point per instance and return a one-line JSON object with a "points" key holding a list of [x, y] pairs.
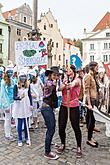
{"points": [[51, 155], [27, 142], [61, 149], [20, 144], [79, 153], [10, 138]]}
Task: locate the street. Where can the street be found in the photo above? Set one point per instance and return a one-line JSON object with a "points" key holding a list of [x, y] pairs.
{"points": [[11, 154]]}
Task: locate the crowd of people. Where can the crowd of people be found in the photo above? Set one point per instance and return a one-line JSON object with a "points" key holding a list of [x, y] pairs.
{"points": [[27, 92]]}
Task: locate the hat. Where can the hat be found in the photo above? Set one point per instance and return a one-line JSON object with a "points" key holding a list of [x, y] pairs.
{"points": [[23, 72], [47, 72], [32, 72], [93, 64], [1, 69], [55, 69]]}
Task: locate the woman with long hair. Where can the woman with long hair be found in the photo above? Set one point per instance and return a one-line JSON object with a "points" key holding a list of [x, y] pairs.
{"points": [[72, 102], [22, 106]]}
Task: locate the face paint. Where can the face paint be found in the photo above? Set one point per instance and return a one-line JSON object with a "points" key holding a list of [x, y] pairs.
{"points": [[22, 78], [10, 73]]}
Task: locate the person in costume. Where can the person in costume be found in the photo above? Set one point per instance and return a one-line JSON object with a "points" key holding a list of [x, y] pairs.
{"points": [[7, 86], [22, 105]]}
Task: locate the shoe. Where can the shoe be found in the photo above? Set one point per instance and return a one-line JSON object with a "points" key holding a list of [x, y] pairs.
{"points": [[78, 153], [27, 142], [95, 146], [61, 149], [20, 144], [96, 130], [10, 138], [51, 155]]}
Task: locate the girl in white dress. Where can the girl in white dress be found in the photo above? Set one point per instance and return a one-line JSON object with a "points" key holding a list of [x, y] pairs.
{"points": [[22, 105]]}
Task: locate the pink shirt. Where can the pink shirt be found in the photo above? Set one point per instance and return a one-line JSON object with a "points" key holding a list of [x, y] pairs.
{"points": [[73, 95]]}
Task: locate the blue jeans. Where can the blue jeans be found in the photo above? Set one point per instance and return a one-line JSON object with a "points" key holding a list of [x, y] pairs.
{"points": [[49, 118], [20, 123]]}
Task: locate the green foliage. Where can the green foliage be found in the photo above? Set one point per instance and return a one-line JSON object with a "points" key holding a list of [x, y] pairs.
{"points": [[78, 43], [29, 53]]}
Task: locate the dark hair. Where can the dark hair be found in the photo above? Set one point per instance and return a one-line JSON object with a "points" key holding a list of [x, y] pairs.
{"points": [[92, 65], [86, 69], [74, 70]]}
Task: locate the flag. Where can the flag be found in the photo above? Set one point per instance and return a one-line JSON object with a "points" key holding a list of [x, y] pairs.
{"points": [[107, 68]]}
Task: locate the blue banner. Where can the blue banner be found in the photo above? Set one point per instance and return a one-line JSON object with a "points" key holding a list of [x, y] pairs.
{"points": [[76, 61]]}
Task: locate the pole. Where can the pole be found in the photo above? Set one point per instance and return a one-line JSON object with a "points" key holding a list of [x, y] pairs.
{"points": [[68, 80], [35, 14]]}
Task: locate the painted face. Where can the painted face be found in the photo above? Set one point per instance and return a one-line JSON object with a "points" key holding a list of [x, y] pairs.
{"points": [[10, 73], [22, 78]]}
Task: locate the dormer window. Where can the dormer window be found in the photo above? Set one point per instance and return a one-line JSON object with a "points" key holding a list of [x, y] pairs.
{"points": [[25, 19], [107, 34]]}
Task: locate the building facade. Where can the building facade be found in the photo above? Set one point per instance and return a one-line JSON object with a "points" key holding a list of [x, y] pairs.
{"points": [[69, 49], [20, 21], [3, 39], [50, 33], [96, 44]]}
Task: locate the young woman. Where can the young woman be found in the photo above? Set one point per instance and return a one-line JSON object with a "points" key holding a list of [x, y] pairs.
{"points": [[50, 101], [22, 105], [7, 86], [72, 102]]}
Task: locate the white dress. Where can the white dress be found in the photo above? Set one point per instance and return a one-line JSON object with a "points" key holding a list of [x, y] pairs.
{"points": [[22, 107]]}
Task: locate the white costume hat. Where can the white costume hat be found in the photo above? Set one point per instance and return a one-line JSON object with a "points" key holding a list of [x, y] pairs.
{"points": [[1, 69], [23, 72], [32, 72]]}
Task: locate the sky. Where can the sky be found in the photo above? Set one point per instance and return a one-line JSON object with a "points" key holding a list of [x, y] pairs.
{"points": [[72, 15]]}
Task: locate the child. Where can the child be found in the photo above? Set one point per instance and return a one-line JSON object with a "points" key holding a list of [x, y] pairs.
{"points": [[22, 106], [35, 97], [7, 86]]}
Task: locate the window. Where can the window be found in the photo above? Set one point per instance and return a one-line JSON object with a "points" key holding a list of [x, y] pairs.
{"points": [[57, 45], [53, 44], [109, 45], [44, 39], [0, 31], [105, 46], [91, 46], [105, 58], [55, 57], [51, 25], [64, 59], [107, 34], [59, 57], [0, 48], [19, 32], [44, 27], [91, 58], [25, 19], [19, 39], [109, 58]]}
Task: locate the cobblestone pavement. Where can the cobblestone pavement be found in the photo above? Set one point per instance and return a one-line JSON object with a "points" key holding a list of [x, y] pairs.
{"points": [[11, 154]]}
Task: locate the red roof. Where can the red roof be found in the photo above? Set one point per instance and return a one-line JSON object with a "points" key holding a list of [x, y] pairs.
{"points": [[68, 41], [105, 21], [11, 13]]}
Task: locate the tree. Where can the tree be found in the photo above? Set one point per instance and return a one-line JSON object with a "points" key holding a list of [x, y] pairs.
{"points": [[78, 44]]}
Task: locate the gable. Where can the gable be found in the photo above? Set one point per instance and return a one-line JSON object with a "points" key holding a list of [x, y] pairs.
{"points": [[101, 34]]}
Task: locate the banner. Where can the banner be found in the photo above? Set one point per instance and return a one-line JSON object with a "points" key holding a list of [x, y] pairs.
{"points": [[30, 53], [107, 69], [76, 61]]}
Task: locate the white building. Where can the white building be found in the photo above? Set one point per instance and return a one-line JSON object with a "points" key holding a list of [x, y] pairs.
{"points": [[96, 46]]}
